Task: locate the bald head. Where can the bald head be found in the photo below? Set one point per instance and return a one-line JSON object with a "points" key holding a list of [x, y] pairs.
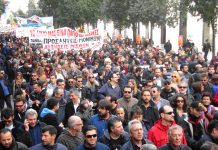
{"points": [[74, 121]]}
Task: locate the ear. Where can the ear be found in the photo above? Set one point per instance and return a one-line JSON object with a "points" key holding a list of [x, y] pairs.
{"points": [[162, 115]]}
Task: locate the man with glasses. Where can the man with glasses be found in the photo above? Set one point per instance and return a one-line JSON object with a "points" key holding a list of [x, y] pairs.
{"points": [[81, 88], [33, 79], [90, 142], [20, 108], [5, 93], [136, 136], [157, 99], [18, 130], [183, 90], [158, 133], [127, 101], [195, 125], [72, 136], [167, 91]]}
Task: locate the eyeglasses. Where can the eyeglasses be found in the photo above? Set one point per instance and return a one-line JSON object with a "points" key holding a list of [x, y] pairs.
{"points": [[70, 81], [91, 77], [79, 81], [204, 80], [33, 75], [180, 101], [127, 91], [7, 121], [173, 76], [167, 84], [90, 136], [169, 113], [182, 87]]}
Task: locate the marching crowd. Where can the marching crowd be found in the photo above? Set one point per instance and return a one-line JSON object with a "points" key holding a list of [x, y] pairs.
{"points": [[121, 97]]}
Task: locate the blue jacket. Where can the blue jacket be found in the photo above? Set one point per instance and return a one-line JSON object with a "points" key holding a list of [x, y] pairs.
{"points": [[99, 146], [108, 89], [36, 132], [100, 124], [46, 111], [40, 146]]}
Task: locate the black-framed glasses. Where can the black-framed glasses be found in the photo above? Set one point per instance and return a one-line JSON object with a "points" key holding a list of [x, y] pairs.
{"points": [[182, 87], [169, 113], [90, 136], [127, 92], [91, 77]]}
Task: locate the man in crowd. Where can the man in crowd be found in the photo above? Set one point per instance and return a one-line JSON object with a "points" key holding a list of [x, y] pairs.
{"points": [[33, 126], [167, 90], [161, 127], [90, 142], [72, 136], [20, 108], [127, 101], [175, 133], [18, 130], [195, 125], [114, 137], [211, 135], [136, 136], [8, 142], [157, 99], [111, 87], [100, 120], [48, 140]]}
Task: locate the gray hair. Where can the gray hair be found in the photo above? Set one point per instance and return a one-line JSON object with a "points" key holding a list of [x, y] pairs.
{"points": [[174, 127], [31, 112], [57, 90], [75, 92], [72, 121], [148, 147], [132, 122]]}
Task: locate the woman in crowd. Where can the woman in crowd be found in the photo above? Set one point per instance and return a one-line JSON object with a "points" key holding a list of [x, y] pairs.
{"points": [[175, 80], [136, 92], [16, 84]]}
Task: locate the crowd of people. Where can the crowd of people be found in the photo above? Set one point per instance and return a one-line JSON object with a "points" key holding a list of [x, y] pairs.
{"points": [[121, 97]]}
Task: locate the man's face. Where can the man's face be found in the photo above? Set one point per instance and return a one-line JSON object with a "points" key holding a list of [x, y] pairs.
{"points": [[53, 79], [211, 70], [204, 80], [102, 112], [157, 73], [71, 82], [155, 92], [8, 121], [34, 76], [146, 96], [118, 128], [79, 82], [60, 94], [6, 139], [19, 106], [59, 68], [183, 89], [176, 137], [91, 138], [2, 73], [37, 88], [168, 114], [195, 112], [61, 85], [120, 113], [185, 69], [127, 93], [78, 126], [74, 98], [206, 100], [136, 132], [115, 78], [32, 120], [47, 138]]}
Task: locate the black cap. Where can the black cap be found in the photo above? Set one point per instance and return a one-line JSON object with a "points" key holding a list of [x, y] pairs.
{"points": [[167, 81], [197, 105]]}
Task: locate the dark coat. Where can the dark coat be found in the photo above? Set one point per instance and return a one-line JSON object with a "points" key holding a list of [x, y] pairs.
{"points": [[204, 138], [99, 146], [15, 146], [129, 145], [42, 147], [69, 111], [19, 133], [169, 147]]}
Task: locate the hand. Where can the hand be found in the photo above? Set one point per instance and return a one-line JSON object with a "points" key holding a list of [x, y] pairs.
{"points": [[26, 125], [91, 104]]}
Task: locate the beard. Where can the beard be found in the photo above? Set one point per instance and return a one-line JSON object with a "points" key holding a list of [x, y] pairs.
{"points": [[102, 115]]}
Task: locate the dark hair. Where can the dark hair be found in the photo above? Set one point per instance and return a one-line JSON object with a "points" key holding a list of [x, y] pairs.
{"points": [[51, 129], [52, 102], [157, 87], [5, 130], [7, 113], [59, 80], [197, 86], [135, 110], [127, 86], [207, 94], [19, 98], [161, 110], [213, 124], [174, 102], [88, 128], [112, 98], [111, 123], [105, 104]]}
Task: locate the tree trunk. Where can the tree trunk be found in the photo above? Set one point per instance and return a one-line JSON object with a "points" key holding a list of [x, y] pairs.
{"points": [[183, 21], [134, 27], [213, 37], [152, 27], [163, 34]]}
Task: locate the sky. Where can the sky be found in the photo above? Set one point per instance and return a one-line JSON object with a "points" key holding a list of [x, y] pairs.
{"points": [[15, 5]]}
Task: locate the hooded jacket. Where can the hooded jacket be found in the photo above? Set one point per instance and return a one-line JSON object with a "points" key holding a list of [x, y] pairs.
{"points": [[158, 134]]}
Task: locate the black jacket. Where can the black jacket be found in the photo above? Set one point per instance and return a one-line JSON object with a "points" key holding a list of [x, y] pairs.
{"points": [[15, 146]]}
